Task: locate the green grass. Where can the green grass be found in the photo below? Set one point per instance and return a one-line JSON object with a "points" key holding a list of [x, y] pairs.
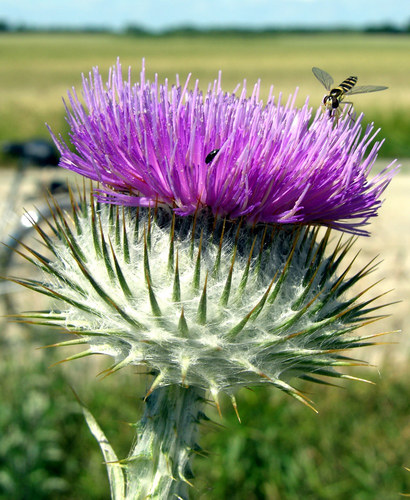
{"points": [[37, 70], [355, 448]]}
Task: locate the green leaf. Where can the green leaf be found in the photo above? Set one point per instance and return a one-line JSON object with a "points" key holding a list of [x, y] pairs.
{"points": [[115, 474]]}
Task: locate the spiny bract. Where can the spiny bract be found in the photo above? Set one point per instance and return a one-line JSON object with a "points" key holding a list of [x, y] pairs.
{"points": [[200, 301]]}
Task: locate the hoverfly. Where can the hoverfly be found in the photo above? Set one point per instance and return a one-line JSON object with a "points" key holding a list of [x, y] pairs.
{"points": [[334, 98]]}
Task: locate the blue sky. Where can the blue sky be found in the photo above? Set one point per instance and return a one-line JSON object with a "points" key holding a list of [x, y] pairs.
{"points": [[161, 14]]}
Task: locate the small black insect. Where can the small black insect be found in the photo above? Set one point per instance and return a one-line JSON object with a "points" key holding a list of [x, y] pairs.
{"points": [[211, 156]]}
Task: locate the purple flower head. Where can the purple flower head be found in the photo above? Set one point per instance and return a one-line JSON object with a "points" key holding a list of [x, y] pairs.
{"points": [[151, 144]]}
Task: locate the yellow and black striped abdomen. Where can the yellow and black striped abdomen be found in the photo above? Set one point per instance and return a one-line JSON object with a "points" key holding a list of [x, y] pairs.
{"points": [[348, 84]]}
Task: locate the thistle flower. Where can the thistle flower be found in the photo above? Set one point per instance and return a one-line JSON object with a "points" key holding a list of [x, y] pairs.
{"points": [[148, 145], [210, 273]]}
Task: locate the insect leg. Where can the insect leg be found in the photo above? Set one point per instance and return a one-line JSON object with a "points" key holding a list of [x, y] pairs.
{"points": [[349, 109]]}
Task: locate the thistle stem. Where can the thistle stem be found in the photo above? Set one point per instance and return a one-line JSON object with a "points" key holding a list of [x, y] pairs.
{"points": [[158, 465]]}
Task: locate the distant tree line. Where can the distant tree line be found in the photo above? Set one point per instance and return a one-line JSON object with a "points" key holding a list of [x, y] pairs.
{"points": [[140, 31]]}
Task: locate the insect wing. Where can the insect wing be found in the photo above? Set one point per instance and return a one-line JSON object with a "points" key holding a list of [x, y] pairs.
{"points": [[324, 78], [364, 89]]}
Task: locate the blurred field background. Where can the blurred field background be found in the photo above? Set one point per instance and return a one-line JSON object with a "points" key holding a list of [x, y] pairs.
{"points": [[358, 444], [37, 69]]}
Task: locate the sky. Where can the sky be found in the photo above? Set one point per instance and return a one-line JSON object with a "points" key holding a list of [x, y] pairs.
{"points": [[158, 15]]}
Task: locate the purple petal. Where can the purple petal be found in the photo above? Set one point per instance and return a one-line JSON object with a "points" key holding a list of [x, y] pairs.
{"points": [[146, 144]]}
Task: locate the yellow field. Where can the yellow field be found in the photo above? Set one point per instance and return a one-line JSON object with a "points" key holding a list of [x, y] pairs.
{"points": [[37, 70]]}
